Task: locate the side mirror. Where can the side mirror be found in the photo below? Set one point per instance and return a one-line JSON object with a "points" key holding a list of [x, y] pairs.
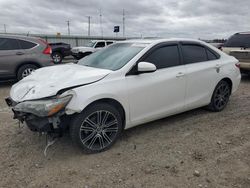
{"points": [[144, 67]]}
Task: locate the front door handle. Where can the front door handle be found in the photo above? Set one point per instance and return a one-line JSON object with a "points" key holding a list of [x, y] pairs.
{"points": [[19, 53], [180, 74]]}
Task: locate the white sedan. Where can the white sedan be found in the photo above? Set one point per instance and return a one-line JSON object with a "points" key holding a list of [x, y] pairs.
{"points": [[124, 85]]}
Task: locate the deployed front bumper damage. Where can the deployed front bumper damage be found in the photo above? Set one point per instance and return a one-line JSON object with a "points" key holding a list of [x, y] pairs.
{"points": [[55, 123]]}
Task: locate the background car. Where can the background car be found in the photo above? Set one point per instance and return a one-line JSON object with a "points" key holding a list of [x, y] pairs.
{"points": [[238, 46], [92, 46], [20, 55], [59, 51]]}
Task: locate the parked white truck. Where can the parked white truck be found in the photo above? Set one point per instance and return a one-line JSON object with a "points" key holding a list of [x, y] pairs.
{"points": [[92, 46]]}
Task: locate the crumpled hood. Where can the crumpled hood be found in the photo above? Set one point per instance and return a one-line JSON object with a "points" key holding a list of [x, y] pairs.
{"points": [[46, 82]]}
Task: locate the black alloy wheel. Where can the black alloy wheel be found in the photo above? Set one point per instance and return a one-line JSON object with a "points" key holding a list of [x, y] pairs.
{"points": [[96, 128], [220, 96]]}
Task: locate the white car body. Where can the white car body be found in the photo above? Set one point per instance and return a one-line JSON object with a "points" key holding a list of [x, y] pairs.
{"points": [[144, 97]]}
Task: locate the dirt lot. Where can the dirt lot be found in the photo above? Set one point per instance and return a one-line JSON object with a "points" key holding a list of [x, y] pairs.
{"points": [[194, 149]]}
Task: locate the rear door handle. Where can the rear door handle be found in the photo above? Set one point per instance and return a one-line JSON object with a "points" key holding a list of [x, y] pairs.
{"points": [[218, 66], [180, 74], [19, 53]]}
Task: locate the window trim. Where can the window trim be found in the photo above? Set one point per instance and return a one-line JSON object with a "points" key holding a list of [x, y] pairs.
{"points": [[36, 44], [132, 71], [20, 48], [12, 39], [201, 45]]}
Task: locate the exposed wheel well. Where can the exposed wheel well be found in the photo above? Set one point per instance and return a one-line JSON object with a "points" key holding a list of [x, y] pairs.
{"points": [[114, 103], [229, 81]]}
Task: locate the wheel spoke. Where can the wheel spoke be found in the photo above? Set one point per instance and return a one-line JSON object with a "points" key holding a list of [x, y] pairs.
{"points": [[101, 142], [106, 137], [99, 117], [105, 117], [114, 129], [93, 140], [84, 128], [88, 137], [111, 123], [90, 122]]}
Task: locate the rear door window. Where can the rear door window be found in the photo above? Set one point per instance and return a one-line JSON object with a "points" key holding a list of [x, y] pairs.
{"points": [[26, 44], [193, 53], [9, 44], [163, 57], [211, 56]]}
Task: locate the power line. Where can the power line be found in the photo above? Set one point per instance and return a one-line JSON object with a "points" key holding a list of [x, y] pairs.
{"points": [[123, 22], [89, 17], [68, 27], [101, 22], [5, 28]]}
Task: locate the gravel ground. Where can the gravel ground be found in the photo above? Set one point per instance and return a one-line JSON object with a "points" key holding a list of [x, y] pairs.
{"points": [[193, 149]]}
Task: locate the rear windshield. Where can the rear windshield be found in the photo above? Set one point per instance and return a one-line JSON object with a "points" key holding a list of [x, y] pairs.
{"points": [[238, 40]]}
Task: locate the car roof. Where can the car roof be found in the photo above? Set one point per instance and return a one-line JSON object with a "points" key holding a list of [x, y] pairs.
{"points": [[18, 37], [243, 33], [151, 41]]}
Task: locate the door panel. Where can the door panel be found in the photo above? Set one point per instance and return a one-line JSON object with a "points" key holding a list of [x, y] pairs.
{"points": [[201, 81], [202, 73], [156, 95], [10, 56]]}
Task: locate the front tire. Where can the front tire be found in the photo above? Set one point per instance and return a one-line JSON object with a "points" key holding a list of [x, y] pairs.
{"points": [[97, 128], [220, 96]]}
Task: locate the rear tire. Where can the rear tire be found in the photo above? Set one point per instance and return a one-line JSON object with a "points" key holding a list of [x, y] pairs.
{"points": [[96, 128], [25, 70], [57, 57], [220, 97]]}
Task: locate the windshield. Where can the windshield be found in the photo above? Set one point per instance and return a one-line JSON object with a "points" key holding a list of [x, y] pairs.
{"points": [[113, 57], [90, 44]]}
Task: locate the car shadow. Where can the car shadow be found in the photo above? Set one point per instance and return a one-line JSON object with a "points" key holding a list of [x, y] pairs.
{"points": [[7, 83], [245, 78]]}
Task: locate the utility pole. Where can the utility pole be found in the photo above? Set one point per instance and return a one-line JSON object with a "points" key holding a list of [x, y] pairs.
{"points": [[68, 28], [123, 22], [101, 22], [88, 25], [5, 30]]}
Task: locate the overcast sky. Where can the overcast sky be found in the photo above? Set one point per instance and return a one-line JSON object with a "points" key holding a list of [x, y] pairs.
{"points": [[162, 18]]}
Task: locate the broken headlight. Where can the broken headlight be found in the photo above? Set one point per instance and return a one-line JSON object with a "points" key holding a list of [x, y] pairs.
{"points": [[43, 108]]}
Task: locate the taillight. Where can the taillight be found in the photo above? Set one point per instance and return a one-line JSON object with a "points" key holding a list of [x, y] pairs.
{"points": [[237, 65], [47, 50]]}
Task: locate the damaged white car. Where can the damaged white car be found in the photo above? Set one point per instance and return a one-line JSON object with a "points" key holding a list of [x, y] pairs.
{"points": [[124, 85]]}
